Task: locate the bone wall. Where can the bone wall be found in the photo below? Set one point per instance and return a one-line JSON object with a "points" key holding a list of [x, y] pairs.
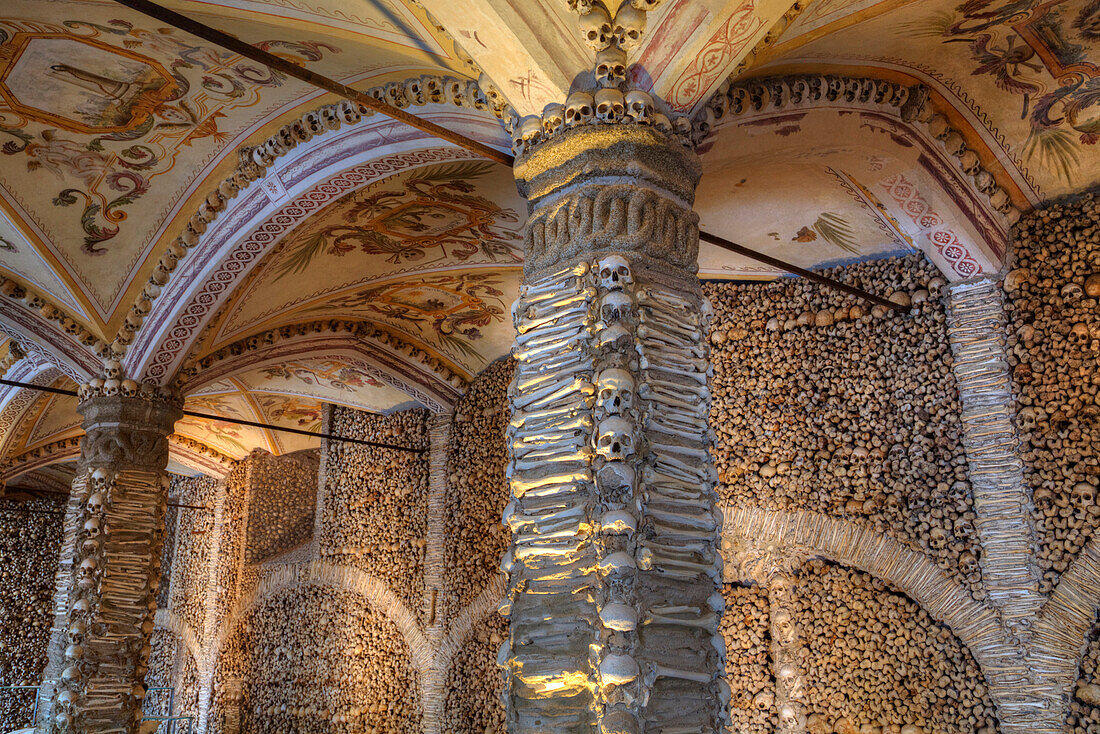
{"points": [[315, 659], [282, 503], [30, 545], [477, 491], [748, 662], [187, 581], [1054, 353], [819, 404], [1084, 713], [474, 684]]}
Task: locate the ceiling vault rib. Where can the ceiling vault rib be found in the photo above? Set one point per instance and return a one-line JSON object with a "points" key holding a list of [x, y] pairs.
{"points": [[272, 61], [239, 421]]}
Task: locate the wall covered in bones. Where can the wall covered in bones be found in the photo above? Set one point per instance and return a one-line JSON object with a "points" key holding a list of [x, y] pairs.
{"points": [[30, 544]]}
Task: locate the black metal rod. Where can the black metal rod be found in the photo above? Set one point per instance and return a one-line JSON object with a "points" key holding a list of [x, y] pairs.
{"points": [[807, 274], [283, 66], [239, 421], [272, 61]]}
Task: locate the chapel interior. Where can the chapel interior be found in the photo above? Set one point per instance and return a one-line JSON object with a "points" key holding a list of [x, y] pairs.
{"points": [[550, 366]]}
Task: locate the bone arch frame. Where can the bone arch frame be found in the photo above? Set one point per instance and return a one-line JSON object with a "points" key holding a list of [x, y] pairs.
{"points": [[257, 161], [912, 104]]}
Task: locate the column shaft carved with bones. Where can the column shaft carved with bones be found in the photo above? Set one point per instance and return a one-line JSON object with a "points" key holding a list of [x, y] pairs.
{"points": [[110, 567], [614, 566]]}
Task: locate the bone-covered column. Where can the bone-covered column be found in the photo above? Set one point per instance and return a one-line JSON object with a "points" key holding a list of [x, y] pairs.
{"points": [[110, 565], [614, 566]]}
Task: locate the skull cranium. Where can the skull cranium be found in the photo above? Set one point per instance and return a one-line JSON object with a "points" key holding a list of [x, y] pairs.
{"points": [[615, 391], [614, 272], [615, 440]]}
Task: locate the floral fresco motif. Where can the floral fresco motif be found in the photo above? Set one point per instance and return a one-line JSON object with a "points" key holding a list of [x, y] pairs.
{"points": [[449, 310], [303, 414], [230, 435], [323, 373], [105, 108], [434, 212], [1015, 42]]}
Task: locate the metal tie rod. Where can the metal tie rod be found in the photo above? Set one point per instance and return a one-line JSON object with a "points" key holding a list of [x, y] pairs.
{"points": [[237, 46], [238, 421]]}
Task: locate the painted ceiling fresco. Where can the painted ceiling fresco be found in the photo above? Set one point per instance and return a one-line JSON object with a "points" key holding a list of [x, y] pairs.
{"points": [[108, 120], [1027, 69], [113, 129]]}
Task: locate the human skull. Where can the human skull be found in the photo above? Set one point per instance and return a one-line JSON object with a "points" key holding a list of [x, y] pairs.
{"points": [[1079, 334], [763, 701], [92, 527], [1072, 292], [1029, 418], [963, 529], [414, 92], [111, 388], [937, 539], [86, 573], [662, 123], [615, 338], [616, 391], [596, 28], [629, 27], [614, 272], [76, 633], [530, 133], [639, 105], [1083, 495], [578, 108], [96, 503], [616, 306], [1043, 498], [968, 563], [610, 105], [784, 627], [433, 89], [610, 67], [112, 370], [128, 388], [788, 717], [1015, 279], [553, 118], [615, 439]]}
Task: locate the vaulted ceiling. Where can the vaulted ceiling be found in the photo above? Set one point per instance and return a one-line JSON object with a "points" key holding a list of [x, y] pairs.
{"points": [[177, 206]]}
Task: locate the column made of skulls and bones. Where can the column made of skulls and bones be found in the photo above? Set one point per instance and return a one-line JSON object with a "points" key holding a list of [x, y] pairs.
{"points": [[614, 566], [105, 600]]}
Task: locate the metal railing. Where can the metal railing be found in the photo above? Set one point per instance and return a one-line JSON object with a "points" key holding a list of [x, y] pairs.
{"points": [[34, 712]]}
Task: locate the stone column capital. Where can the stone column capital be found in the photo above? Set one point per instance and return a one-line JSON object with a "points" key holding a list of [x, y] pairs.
{"points": [[126, 432]]}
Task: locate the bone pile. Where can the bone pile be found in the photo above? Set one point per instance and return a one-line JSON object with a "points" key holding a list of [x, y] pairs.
{"points": [[745, 627], [316, 660], [374, 503], [30, 545], [877, 663], [477, 489], [281, 504], [186, 577], [474, 685], [1084, 713], [822, 405], [613, 567], [1054, 353], [162, 659]]}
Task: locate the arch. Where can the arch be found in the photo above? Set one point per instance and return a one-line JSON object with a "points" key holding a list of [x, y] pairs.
{"points": [[168, 620], [1020, 702], [926, 188], [59, 338], [16, 401], [322, 573], [361, 345], [242, 230]]}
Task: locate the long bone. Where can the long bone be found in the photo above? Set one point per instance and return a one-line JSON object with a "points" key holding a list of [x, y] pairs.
{"points": [[671, 369], [572, 437], [665, 360], [553, 281], [555, 452], [552, 423], [704, 521], [552, 334], [551, 514], [667, 532], [572, 343], [649, 294], [555, 549], [581, 477], [567, 412], [553, 532], [678, 569], [525, 464], [547, 396], [658, 312], [686, 332], [669, 490], [548, 306], [659, 480], [674, 389], [657, 670], [659, 447], [660, 351], [652, 337], [556, 490], [675, 418], [703, 620], [690, 433], [530, 380], [696, 410], [525, 325], [655, 498], [693, 474]]}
